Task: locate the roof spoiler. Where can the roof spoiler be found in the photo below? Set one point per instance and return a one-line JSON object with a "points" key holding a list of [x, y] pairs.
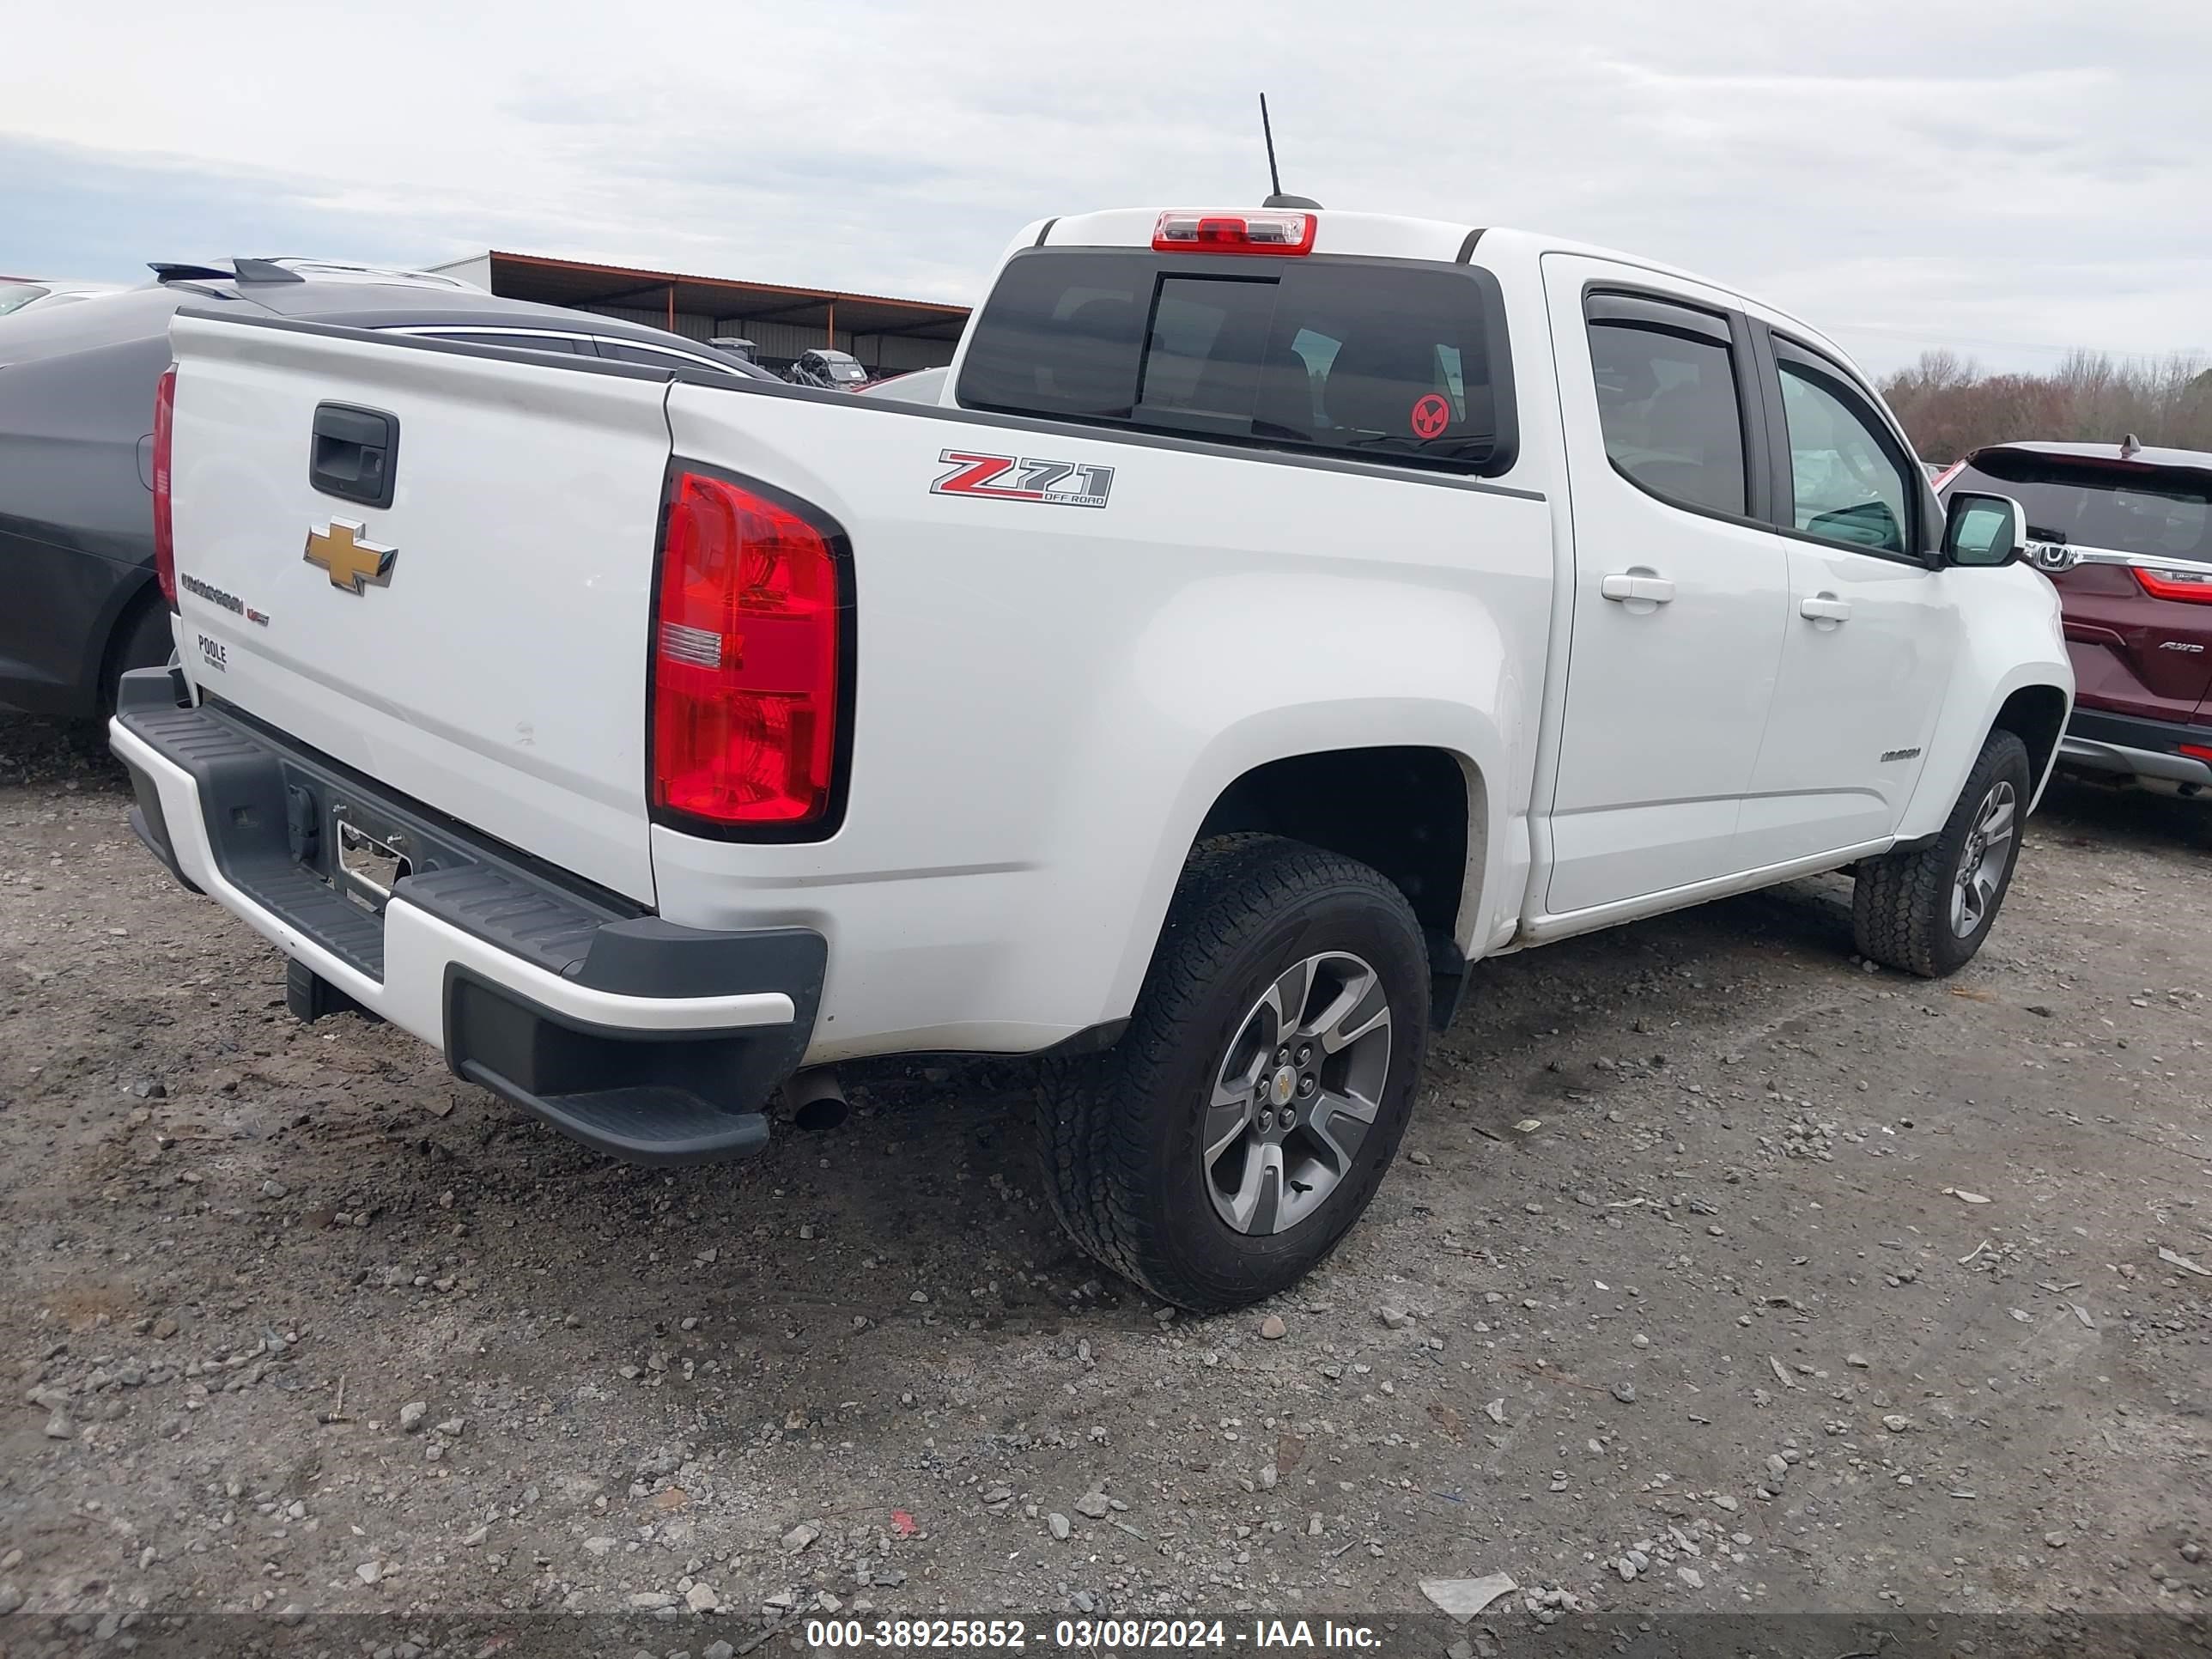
{"points": [[241, 270], [180, 273], [264, 270]]}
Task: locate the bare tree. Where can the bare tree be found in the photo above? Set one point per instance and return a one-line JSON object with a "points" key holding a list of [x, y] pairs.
{"points": [[1950, 407]]}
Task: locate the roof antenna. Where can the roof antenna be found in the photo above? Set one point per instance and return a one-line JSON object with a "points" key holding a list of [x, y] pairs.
{"points": [[2128, 446], [1274, 179]]}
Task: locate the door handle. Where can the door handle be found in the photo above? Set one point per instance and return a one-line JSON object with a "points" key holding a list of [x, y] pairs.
{"points": [[1824, 607], [1638, 585]]}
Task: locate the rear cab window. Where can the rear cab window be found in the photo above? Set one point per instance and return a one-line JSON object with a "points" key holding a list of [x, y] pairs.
{"points": [[1382, 360], [2119, 506]]}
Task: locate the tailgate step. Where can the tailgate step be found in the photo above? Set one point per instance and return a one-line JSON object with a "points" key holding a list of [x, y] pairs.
{"points": [[553, 930], [645, 1123]]}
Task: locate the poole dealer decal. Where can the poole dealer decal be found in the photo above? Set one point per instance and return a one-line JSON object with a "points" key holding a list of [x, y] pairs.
{"points": [[1013, 478]]}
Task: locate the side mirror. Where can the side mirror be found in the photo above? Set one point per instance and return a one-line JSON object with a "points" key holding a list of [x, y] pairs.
{"points": [[1983, 530]]}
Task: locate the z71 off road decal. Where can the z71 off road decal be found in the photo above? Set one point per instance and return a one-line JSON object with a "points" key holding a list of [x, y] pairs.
{"points": [[1009, 478]]}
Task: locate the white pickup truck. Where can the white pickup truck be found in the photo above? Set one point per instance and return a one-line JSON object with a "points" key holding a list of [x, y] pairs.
{"points": [[1284, 609]]}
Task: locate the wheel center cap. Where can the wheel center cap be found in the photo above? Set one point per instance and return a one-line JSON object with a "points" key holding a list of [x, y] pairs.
{"points": [[1283, 1085]]}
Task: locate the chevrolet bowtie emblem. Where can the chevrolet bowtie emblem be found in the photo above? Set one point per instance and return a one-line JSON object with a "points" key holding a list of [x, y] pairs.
{"points": [[351, 561]]}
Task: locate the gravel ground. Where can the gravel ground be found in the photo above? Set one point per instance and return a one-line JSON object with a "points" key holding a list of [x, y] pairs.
{"points": [[1720, 1274]]}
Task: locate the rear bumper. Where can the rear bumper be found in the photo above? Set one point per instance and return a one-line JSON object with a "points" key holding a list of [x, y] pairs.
{"points": [[636, 1036], [2150, 751]]}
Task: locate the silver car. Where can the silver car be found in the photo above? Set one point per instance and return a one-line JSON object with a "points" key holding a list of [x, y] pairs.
{"points": [[23, 295]]}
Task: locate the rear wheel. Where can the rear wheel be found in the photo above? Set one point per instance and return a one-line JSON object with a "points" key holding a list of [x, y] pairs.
{"points": [[1239, 1128], [143, 641], [1927, 911]]}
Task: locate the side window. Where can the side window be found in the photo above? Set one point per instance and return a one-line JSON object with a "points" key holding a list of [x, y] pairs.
{"points": [[626, 352], [1848, 484], [517, 342], [1667, 403]]}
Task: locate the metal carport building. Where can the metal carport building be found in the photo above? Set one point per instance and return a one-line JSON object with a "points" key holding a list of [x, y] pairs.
{"points": [[888, 334]]}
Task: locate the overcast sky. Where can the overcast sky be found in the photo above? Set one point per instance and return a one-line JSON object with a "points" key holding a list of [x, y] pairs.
{"points": [[2008, 180]]}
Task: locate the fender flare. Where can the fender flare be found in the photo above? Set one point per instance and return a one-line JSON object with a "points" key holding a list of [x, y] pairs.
{"points": [[1290, 731], [1958, 742]]}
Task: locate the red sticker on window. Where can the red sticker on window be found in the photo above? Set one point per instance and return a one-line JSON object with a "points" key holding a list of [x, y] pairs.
{"points": [[1431, 415]]}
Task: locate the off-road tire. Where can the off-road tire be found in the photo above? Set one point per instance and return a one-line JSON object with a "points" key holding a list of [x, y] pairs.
{"points": [[1119, 1131], [1901, 901]]}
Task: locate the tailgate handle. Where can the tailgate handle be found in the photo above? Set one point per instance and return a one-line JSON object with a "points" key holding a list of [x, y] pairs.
{"points": [[353, 453]]}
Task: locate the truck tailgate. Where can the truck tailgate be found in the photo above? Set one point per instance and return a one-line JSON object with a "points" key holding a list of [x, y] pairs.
{"points": [[479, 643]]}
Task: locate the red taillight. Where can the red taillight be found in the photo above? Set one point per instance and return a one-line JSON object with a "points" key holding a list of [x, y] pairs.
{"points": [[746, 659], [165, 540], [1186, 232], [2173, 585], [2196, 751], [1945, 476]]}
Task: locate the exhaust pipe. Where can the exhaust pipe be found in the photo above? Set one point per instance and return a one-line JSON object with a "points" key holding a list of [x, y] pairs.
{"points": [[817, 1098]]}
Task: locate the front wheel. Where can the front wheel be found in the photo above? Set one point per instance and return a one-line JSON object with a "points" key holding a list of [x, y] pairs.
{"points": [[1926, 911], [1238, 1129]]}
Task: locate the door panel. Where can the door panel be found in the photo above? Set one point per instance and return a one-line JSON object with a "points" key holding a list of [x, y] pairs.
{"points": [[1680, 598], [1871, 631], [1854, 705]]}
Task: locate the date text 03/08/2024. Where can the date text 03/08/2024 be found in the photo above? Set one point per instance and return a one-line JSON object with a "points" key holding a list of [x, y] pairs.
{"points": [[1115, 1635]]}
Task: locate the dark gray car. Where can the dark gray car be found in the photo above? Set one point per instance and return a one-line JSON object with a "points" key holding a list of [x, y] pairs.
{"points": [[77, 422]]}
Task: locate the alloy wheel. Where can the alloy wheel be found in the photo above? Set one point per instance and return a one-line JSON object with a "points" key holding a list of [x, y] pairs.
{"points": [[1982, 860], [1296, 1093]]}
